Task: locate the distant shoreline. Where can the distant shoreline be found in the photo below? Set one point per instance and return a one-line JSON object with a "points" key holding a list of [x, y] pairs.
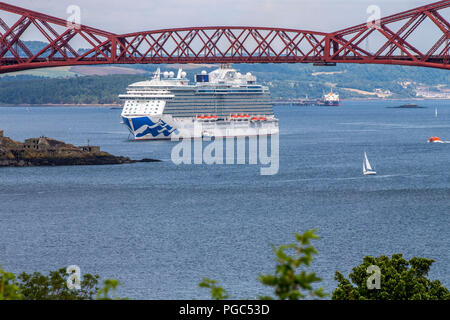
{"points": [[109, 105], [396, 99]]}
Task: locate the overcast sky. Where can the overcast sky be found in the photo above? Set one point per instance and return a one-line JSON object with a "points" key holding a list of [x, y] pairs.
{"points": [[138, 15]]}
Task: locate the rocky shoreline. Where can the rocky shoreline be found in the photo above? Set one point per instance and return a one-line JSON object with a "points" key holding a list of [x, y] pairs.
{"points": [[76, 161], [45, 151]]}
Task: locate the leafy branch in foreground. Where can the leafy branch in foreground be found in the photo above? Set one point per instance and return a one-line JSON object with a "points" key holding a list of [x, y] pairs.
{"points": [[110, 286], [217, 293], [288, 283]]}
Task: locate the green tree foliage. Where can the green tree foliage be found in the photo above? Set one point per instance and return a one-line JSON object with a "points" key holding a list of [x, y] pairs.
{"points": [[288, 282], [298, 80], [217, 293], [77, 90], [37, 286], [400, 280], [9, 290], [108, 292]]}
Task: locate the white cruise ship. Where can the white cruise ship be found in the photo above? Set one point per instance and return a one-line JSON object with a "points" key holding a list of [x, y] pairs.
{"points": [[223, 103]]}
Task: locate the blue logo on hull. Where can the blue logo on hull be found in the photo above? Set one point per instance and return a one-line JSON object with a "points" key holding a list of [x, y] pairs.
{"points": [[144, 125]]}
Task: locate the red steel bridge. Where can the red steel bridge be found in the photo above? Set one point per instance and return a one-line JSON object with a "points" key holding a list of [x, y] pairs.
{"points": [[395, 42]]}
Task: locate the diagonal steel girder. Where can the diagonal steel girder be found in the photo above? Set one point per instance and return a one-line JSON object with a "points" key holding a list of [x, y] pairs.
{"points": [[224, 44]]}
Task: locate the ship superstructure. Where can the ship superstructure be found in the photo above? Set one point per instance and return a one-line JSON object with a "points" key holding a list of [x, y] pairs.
{"points": [[330, 99], [223, 102]]}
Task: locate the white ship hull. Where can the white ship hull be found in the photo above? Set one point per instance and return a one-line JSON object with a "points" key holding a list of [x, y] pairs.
{"points": [[165, 127]]}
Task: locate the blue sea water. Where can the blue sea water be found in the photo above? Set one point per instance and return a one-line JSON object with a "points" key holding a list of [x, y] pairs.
{"points": [[159, 228]]}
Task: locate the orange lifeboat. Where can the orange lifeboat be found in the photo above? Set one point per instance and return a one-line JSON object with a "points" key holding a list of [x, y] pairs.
{"points": [[207, 117], [434, 139], [258, 119], [240, 116]]}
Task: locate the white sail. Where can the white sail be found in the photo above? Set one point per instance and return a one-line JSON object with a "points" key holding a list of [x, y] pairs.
{"points": [[367, 163], [367, 168], [435, 112]]}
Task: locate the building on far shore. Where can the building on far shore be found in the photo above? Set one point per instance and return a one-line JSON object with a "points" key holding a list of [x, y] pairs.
{"points": [[37, 144], [46, 145], [92, 149]]}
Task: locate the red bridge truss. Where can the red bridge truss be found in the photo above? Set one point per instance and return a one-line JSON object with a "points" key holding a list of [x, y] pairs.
{"points": [[392, 40]]}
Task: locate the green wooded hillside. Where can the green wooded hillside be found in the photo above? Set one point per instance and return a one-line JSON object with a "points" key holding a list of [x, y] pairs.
{"points": [[77, 90], [284, 80]]}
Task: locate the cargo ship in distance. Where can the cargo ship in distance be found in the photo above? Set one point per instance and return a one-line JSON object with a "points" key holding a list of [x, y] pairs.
{"points": [[222, 103], [331, 99]]}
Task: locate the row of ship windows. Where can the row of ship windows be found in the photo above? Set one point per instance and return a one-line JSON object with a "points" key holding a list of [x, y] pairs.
{"points": [[222, 98], [236, 109], [170, 107], [218, 109], [200, 98], [204, 103], [210, 92], [240, 103], [212, 108], [221, 88], [195, 111], [193, 94], [152, 99], [146, 107], [196, 106], [136, 110], [226, 91], [219, 101], [203, 96], [142, 103], [224, 115], [218, 105], [223, 112]]}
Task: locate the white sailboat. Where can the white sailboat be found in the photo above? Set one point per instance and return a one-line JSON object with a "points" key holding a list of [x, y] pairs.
{"points": [[435, 112], [367, 168]]}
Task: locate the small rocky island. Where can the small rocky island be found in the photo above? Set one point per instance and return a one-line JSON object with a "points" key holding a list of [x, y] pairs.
{"points": [[408, 106], [45, 151]]}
